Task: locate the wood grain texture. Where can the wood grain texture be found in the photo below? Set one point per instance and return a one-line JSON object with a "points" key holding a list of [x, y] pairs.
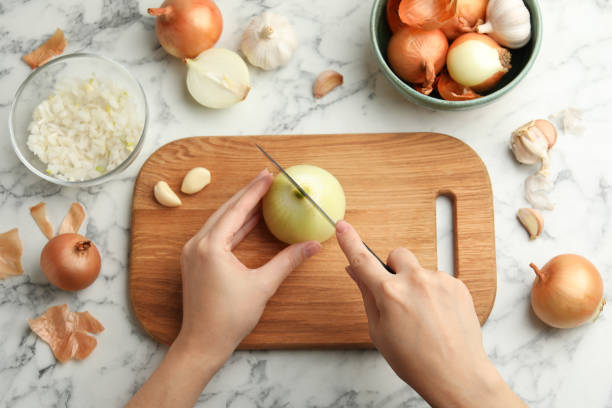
{"points": [[391, 182]]}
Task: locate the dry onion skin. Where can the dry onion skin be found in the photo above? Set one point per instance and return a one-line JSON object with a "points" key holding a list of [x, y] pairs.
{"points": [[567, 292], [39, 213], [426, 14], [477, 61], [70, 261], [470, 13], [55, 45], [452, 91], [73, 220], [185, 28], [393, 19], [10, 254], [417, 56], [66, 332]]}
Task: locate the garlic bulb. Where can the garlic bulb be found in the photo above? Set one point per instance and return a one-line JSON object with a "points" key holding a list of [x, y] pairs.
{"points": [[531, 142], [508, 23], [268, 41]]}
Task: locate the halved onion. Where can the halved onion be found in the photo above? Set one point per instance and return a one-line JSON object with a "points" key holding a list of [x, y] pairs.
{"points": [[477, 61]]}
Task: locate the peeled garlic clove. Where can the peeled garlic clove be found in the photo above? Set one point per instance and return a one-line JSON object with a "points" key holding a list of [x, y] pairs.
{"points": [[217, 78], [268, 41], [532, 220], [165, 196], [508, 23], [195, 180], [326, 82]]}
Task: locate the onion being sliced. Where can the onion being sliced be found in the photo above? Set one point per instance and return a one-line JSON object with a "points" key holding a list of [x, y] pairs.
{"points": [[477, 61], [426, 14], [417, 56]]}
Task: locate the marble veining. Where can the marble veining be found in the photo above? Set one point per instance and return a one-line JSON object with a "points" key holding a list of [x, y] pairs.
{"points": [[546, 367]]}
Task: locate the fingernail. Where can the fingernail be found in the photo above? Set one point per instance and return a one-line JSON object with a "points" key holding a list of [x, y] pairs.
{"points": [[342, 226], [261, 174], [311, 249]]}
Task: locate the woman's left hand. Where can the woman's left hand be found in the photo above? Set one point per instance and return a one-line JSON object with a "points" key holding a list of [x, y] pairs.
{"points": [[223, 299]]}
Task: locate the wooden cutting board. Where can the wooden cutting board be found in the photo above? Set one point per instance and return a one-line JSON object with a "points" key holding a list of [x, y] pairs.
{"points": [[391, 182]]}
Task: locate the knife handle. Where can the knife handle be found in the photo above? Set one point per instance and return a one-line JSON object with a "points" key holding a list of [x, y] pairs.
{"points": [[379, 260]]}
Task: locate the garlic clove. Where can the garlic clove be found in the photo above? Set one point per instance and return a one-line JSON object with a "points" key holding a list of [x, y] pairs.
{"points": [[532, 220], [508, 23], [531, 142], [195, 180], [217, 78], [165, 196], [269, 41], [548, 130], [326, 82]]}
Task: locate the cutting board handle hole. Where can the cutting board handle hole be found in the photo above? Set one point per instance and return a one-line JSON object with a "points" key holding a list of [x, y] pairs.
{"points": [[445, 233]]}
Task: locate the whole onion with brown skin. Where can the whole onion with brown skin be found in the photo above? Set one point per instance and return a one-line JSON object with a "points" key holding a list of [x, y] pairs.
{"points": [[417, 56], [567, 291], [70, 262], [185, 28]]}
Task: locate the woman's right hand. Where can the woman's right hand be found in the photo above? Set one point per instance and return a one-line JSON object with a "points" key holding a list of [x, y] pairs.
{"points": [[424, 324]]}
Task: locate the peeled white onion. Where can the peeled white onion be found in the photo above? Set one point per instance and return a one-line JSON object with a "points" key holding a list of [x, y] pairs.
{"points": [[290, 217], [217, 78], [477, 61]]}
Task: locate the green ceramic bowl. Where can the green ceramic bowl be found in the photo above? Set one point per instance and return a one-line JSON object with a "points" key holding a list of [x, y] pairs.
{"points": [[522, 60]]}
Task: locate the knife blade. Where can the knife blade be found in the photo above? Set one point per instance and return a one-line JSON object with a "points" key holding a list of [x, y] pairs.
{"points": [[315, 205]]}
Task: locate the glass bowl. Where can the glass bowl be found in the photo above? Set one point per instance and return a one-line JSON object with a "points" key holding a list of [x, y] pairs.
{"points": [[40, 84], [522, 60]]}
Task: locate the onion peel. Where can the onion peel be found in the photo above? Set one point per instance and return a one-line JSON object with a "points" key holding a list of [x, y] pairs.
{"points": [[470, 14], [73, 220], [39, 213], [452, 91], [66, 332], [55, 45], [10, 254], [426, 14], [393, 19]]}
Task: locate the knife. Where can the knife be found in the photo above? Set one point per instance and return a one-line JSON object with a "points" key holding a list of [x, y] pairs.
{"points": [[314, 203]]}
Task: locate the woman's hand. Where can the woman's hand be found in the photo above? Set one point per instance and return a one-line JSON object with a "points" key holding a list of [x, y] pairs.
{"points": [[424, 324], [222, 299]]}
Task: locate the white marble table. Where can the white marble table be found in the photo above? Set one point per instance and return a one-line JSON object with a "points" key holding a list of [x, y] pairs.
{"points": [[546, 367]]}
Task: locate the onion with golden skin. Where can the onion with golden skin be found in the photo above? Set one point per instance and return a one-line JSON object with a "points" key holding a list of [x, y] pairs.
{"points": [[417, 56], [70, 262], [185, 28], [567, 291]]}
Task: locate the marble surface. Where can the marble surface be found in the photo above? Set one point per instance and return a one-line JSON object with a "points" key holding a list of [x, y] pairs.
{"points": [[546, 367]]}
